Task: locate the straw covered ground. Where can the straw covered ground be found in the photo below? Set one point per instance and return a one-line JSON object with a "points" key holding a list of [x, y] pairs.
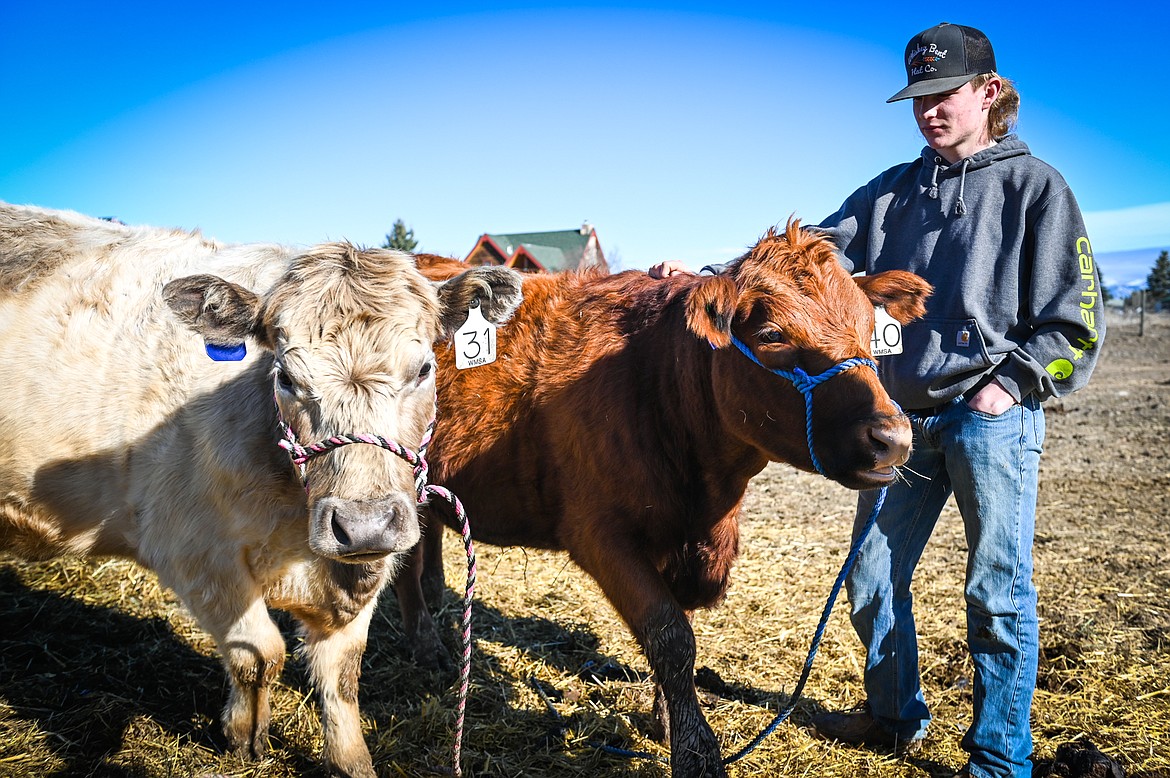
{"points": [[102, 673]]}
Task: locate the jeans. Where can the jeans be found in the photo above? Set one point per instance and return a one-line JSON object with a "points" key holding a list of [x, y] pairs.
{"points": [[991, 465]]}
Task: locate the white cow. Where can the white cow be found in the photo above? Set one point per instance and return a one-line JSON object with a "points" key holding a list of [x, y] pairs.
{"points": [[120, 435]]}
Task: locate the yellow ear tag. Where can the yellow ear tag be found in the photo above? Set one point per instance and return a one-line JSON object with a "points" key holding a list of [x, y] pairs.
{"points": [[475, 341], [887, 333]]}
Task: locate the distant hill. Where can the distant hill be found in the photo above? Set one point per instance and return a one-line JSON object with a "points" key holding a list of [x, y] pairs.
{"points": [[1123, 272]]}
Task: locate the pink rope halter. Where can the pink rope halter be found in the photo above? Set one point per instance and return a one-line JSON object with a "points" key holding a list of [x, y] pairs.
{"points": [[300, 455]]}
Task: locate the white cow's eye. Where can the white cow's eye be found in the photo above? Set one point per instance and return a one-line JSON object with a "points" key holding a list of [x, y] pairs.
{"points": [[425, 371], [283, 381]]}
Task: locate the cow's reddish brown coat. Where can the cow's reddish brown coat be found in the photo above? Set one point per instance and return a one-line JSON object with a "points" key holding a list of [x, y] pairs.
{"points": [[620, 425]]}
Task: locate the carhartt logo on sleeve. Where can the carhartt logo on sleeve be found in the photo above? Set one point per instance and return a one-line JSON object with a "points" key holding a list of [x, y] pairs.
{"points": [[1089, 297], [1060, 369], [963, 339]]}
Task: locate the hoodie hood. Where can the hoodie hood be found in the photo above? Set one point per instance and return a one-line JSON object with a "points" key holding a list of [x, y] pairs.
{"points": [[936, 169]]}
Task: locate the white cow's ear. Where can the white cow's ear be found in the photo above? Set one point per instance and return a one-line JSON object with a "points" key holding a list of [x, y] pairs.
{"points": [[223, 313], [497, 290]]}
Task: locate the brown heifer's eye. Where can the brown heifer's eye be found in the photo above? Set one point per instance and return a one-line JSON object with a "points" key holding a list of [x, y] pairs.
{"points": [[771, 336]]}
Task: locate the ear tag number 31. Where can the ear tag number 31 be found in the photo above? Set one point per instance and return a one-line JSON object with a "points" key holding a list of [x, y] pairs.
{"points": [[887, 333], [475, 342]]}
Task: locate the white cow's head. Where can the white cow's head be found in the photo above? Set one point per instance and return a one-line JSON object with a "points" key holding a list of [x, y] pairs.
{"points": [[351, 334]]}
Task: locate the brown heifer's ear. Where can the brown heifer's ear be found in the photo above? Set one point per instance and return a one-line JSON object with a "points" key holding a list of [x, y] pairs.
{"points": [[222, 312], [496, 289], [711, 308], [902, 294]]}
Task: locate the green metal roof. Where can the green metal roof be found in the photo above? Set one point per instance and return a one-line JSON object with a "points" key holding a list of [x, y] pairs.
{"points": [[556, 250]]}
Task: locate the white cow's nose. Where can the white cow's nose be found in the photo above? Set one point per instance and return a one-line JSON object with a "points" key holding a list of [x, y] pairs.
{"points": [[350, 530]]}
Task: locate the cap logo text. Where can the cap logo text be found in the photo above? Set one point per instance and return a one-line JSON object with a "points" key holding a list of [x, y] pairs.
{"points": [[922, 59]]}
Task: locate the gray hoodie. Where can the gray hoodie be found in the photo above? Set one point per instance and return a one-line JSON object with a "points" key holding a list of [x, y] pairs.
{"points": [[1016, 292]]}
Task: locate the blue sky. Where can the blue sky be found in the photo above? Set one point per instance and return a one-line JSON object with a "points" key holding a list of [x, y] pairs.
{"points": [[680, 130]]}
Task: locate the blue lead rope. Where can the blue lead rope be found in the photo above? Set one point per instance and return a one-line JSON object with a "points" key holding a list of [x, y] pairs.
{"points": [[820, 632], [786, 711], [804, 384]]}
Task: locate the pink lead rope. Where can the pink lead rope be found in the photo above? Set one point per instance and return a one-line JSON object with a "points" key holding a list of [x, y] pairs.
{"points": [[302, 454]]}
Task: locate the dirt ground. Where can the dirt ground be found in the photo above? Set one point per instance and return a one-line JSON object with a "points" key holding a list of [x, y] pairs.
{"points": [[103, 674]]}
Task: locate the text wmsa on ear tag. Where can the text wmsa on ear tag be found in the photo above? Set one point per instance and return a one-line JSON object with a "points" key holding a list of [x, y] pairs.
{"points": [[887, 333], [475, 342]]}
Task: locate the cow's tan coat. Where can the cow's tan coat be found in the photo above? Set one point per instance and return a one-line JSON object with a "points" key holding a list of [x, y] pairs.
{"points": [[119, 435]]}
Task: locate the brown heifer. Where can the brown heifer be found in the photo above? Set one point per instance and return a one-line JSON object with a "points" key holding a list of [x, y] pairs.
{"points": [[619, 424], [119, 436]]}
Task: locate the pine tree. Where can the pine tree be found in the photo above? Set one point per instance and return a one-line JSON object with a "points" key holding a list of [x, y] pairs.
{"points": [[1158, 281], [400, 238]]}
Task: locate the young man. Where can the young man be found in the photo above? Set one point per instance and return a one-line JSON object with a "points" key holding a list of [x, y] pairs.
{"points": [[1015, 319]]}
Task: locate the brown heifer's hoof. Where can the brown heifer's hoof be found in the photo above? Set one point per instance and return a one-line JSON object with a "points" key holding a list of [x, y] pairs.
{"points": [[696, 766], [435, 658], [697, 756], [427, 650]]}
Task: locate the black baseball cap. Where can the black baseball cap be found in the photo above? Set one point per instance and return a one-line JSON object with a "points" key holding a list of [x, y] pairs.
{"points": [[944, 58]]}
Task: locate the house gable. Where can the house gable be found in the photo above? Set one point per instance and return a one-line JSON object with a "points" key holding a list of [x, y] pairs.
{"points": [[537, 252]]}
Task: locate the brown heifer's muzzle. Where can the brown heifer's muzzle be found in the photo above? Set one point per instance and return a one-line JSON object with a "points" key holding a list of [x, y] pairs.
{"points": [[883, 445], [891, 441]]}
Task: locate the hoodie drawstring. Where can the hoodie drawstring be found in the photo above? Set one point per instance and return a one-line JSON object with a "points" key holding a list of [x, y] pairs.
{"points": [[961, 207], [932, 193]]}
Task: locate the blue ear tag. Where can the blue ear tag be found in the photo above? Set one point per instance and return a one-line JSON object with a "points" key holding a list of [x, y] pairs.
{"points": [[226, 353]]}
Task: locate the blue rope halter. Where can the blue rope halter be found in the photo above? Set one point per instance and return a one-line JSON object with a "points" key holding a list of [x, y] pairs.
{"points": [[805, 384]]}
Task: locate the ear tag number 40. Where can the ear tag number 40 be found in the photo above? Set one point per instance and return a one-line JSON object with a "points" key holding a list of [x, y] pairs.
{"points": [[475, 342], [887, 333]]}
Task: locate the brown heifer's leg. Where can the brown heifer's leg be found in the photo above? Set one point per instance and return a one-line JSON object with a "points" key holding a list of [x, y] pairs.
{"points": [[434, 584], [253, 653], [670, 648], [661, 726], [661, 626], [699, 578], [660, 729], [335, 664], [422, 636]]}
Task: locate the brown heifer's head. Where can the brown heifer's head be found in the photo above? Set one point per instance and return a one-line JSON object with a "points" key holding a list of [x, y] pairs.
{"points": [[350, 333], [793, 305]]}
